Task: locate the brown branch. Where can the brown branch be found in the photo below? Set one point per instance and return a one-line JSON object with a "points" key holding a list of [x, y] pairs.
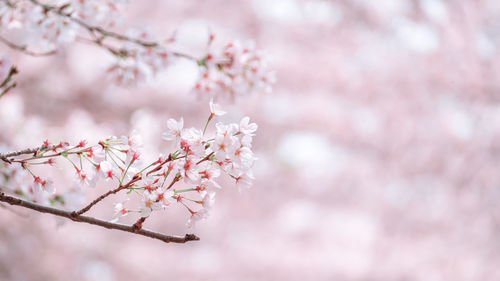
{"points": [[98, 199], [91, 220], [127, 185], [4, 156], [138, 224], [15, 212], [205, 158], [174, 180]]}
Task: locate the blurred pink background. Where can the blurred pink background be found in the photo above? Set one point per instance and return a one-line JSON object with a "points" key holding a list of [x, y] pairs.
{"points": [[378, 149]]}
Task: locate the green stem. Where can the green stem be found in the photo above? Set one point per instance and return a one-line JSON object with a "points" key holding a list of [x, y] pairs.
{"points": [[184, 190], [206, 125]]}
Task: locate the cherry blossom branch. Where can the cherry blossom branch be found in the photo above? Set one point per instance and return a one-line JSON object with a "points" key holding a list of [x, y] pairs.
{"points": [[92, 29], [229, 70], [121, 187], [91, 220], [198, 160], [104, 33], [5, 83], [12, 71], [24, 49], [5, 90], [5, 156], [139, 222], [100, 198]]}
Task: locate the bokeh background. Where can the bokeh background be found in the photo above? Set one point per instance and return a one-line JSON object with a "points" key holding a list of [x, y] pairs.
{"points": [[378, 149]]}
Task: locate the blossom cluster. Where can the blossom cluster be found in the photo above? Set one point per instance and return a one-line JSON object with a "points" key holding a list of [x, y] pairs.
{"points": [[18, 177], [139, 62], [56, 22], [228, 70], [233, 70], [187, 176]]}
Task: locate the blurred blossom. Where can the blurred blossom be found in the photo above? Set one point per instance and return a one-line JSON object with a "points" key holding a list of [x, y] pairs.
{"points": [[417, 37], [435, 9], [309, 153]]}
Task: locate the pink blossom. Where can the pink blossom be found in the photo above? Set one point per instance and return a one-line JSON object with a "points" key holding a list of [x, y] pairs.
{"points": [[120, 211], [246, 127], [215, 109], [208, 200], [197, 216], [174, 129]]}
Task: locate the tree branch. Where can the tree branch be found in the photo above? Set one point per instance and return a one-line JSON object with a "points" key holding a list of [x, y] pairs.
{"points": [[5, 83], [25, 50], [12, 71], [100, 198], [92, 30], [4, 156], [10, 87], [127, 185], [91, 220]]}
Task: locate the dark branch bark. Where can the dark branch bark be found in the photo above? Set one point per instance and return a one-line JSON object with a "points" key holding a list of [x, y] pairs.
{"points": [[90, 220]]}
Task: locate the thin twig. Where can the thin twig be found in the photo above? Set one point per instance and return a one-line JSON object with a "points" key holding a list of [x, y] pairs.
{"points": [[127, 185], [85, 209], [6, 90], [91, 220], [12, 71], [4, 156], [100, 198], [97, 40], [25, 50], [92, 29], [5, 83]]}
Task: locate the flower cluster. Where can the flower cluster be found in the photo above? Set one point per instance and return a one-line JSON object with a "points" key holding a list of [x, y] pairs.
{"points": [[107, 13], [53, 25], [230, 70], [188, 176], [138, 62], [233, 70], [18, 177]]}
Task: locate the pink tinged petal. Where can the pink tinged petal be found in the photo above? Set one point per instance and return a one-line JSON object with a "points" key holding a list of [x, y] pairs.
{"points": [[50, 187], [216, 109], [246, 127], [174, 129], [197, 216], [208, 200]]}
